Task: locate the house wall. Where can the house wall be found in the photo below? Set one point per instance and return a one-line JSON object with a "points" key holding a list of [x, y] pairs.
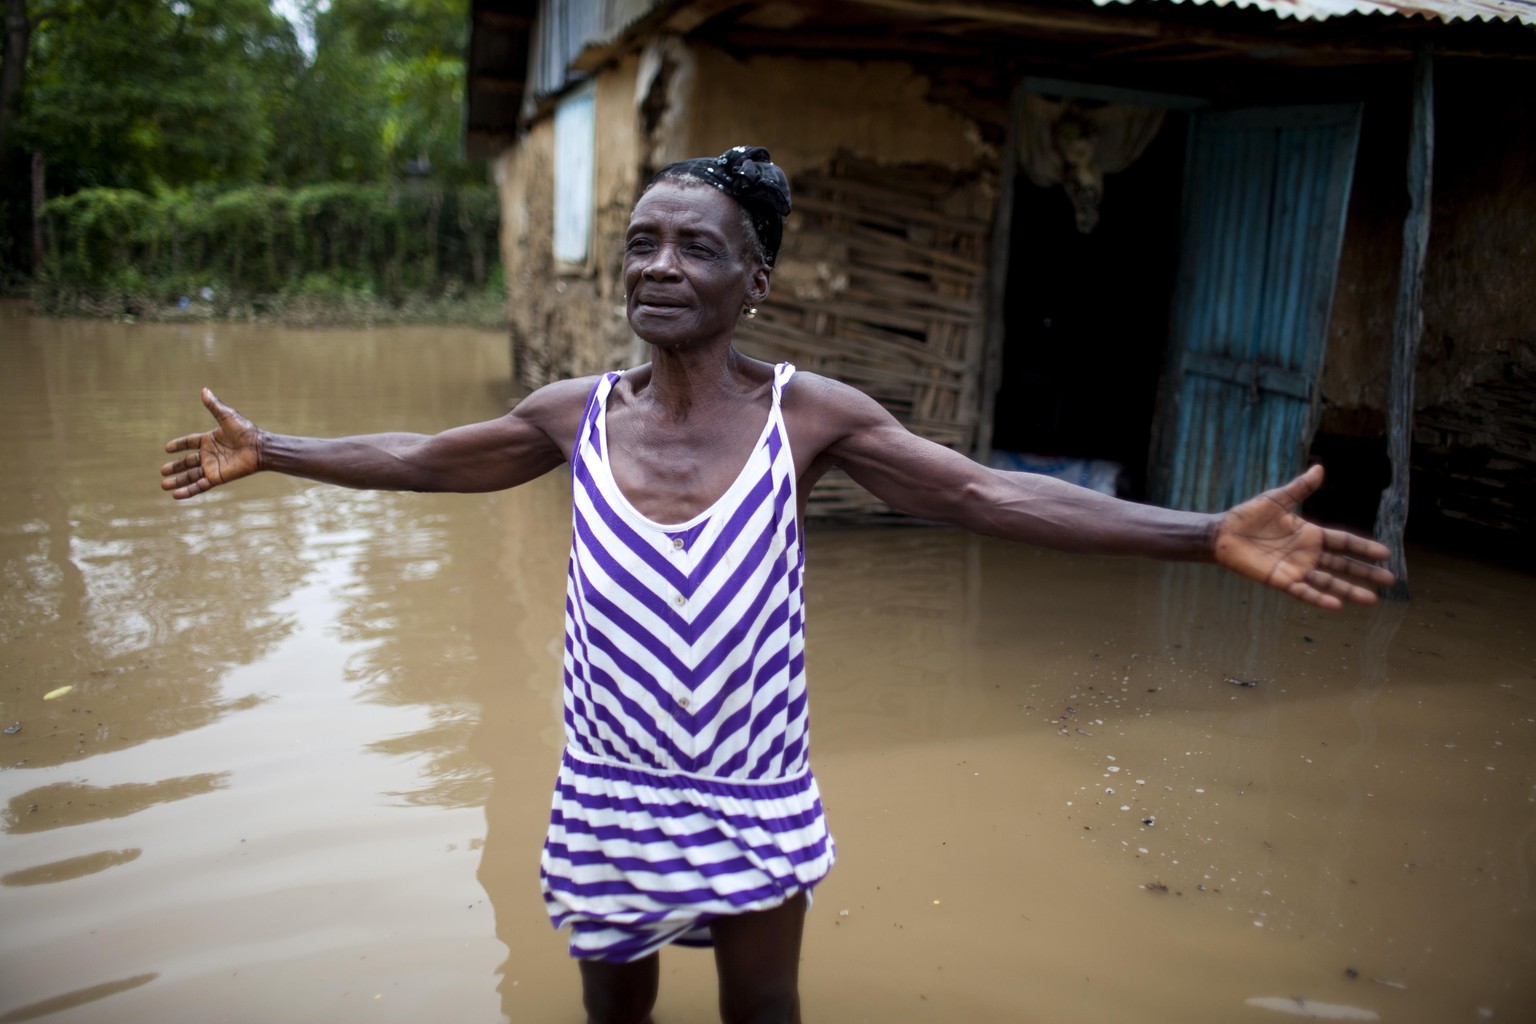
{"points": [[1480, 283], [806, 111], [1474, 456], [564, 320], [680, 100], [1479, 304], [1477, 357], [1474, 452]]}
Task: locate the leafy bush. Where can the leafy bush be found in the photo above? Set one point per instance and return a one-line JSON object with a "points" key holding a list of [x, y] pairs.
{"points": [[389, 241]]}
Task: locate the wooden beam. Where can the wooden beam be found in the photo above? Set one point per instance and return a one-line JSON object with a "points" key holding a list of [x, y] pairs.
{"points": [[1408, 321], [1112, 94], [832, 45], [1090, 22], [676, 16]]}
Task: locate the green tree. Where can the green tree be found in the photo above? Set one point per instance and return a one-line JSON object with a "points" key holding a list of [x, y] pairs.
{"points": [[155, 93], [413, 51], [20, 22]]}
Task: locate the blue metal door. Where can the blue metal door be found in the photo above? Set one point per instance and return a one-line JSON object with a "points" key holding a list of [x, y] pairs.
{"points": [[1264, 201]]}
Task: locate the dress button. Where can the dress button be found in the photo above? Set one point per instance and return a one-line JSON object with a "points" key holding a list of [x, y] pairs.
{"points": [[682, 701], [677, 543], [679, 600]]}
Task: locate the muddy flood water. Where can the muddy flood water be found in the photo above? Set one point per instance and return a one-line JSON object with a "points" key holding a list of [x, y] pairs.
{"points": [[284, 753]]}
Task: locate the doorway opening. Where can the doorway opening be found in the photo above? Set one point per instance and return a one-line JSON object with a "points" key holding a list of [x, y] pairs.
{"points": [[1087, 316]]}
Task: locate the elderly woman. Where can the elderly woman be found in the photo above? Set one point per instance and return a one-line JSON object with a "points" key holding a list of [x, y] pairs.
{"points": [[685, 809]]}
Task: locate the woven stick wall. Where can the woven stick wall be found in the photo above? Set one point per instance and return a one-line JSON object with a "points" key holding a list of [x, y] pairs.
{"points": [[881, 285]]}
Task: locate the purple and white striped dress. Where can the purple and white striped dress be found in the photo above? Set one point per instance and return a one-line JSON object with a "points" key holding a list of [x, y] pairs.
{"points": [[685, 791]]}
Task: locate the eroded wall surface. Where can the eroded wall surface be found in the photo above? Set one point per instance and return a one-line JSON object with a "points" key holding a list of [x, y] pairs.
{"points": [[1479, 300], [1480, 282], [569, 320], [1474, 442], [679, 100], [805, 111]]}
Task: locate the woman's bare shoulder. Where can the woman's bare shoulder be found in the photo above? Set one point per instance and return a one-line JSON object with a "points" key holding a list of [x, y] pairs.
{"points": [[824, 414], [812, 394], [556, 408]]}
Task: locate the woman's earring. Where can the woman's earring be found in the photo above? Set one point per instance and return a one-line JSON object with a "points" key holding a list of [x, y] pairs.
{"points": [[750, 312]]}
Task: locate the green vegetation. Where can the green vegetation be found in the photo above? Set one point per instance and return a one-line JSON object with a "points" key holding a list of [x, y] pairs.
{"points": [[380, 252], [196, 147]]}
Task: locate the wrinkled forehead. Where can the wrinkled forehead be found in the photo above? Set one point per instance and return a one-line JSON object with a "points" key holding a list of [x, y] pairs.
{"points": [[690, 203]]}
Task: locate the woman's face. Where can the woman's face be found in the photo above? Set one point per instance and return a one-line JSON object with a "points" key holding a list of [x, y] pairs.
{"points": [[688, 268]]}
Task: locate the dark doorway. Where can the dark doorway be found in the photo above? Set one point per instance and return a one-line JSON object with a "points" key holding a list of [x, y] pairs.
{"points": [[1087, 315]]}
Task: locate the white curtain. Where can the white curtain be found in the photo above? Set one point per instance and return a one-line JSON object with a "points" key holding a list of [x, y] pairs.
{"points": [[1072, 144]]}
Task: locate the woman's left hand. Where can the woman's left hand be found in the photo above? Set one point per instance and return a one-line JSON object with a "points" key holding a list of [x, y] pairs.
{"points": [[1265, 540]]}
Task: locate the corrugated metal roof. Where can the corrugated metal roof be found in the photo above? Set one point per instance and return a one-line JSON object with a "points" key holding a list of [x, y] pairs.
{"points": [[1523, 11]]}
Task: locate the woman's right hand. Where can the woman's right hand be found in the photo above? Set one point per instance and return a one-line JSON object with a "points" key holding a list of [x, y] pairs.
{"points": [[228, 452]]}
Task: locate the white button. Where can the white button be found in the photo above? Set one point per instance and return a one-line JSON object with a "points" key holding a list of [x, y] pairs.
{"points": [[682, 701], [679, 600], [677, 542]]}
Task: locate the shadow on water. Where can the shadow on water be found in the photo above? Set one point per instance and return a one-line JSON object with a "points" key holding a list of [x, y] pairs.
{"points": [[305, 764]]}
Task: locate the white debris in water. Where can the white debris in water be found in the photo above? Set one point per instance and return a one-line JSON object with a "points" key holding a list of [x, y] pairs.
{"points": [[1311, 1009]]}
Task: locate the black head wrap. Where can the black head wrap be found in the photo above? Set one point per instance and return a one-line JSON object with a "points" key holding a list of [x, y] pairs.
{"points": [[748, 175]]}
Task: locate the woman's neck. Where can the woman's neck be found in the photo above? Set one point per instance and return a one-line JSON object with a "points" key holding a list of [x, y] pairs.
{"points": [[682, 380]]}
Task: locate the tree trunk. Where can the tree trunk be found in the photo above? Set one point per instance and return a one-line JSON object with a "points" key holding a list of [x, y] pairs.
{"points": [[18, 36], [39, 196]]}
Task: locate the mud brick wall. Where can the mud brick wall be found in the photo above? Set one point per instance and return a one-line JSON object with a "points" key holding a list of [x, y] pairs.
{"points": [[1474, 462]]}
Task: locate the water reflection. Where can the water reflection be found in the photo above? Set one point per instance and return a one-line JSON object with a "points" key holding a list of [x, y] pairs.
{"points": [[65, 804], [227, 636], [99, 584], [70, 867]]}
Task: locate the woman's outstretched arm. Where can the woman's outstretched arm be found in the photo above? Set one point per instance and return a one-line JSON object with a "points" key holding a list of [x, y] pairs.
{"points": [[1262, 538], [525, 443]]}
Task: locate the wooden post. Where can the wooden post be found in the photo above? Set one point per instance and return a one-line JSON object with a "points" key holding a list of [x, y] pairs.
{"points": [[991, 369], [1408, 322]]}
